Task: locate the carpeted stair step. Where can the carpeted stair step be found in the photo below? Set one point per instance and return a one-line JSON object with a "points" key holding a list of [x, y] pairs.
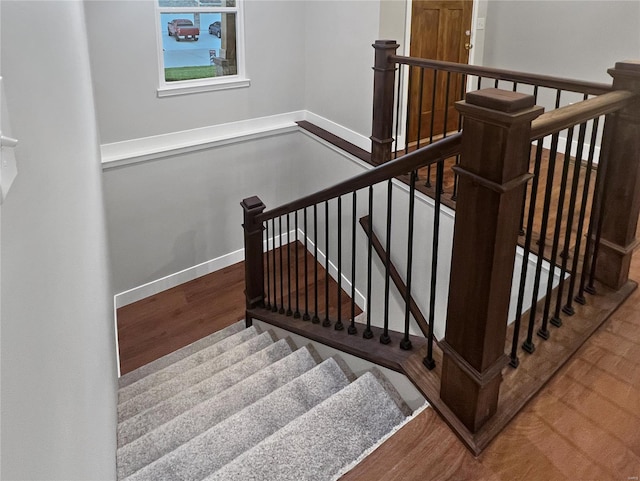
{"points": [[223, 442], [190, 424], [164, 361], [193, 376], [157, 415], [319, 444], [163, 375]]}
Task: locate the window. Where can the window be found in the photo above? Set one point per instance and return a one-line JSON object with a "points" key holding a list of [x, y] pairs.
{"points": [[200, 45]]}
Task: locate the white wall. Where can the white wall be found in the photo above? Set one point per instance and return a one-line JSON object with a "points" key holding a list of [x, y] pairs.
{"points": [[575, 39], [58, 409]]}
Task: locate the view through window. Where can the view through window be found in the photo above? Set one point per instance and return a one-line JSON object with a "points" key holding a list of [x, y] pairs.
{"points": [[199, 39]]}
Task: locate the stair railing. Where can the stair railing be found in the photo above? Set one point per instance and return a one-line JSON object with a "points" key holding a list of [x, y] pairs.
{"points": [[286, 248], [598, 209]]}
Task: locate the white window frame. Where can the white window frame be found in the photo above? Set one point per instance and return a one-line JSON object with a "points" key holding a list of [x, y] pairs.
{"points": [[182, 87]]}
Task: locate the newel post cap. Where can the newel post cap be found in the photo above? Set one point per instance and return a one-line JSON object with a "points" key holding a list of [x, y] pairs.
{"points": [[503, 107]]}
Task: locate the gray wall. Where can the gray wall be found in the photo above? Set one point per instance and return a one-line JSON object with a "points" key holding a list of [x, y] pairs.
{"points": [[339, 57], [58, 404], [576, 39], [177, 212], [122, 39]]}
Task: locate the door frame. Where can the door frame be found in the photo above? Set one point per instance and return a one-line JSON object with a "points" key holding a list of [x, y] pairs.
{"points": [[479, 10]]}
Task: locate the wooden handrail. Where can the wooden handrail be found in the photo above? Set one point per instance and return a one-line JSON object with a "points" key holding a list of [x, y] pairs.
{"points": [[571, 85], [423, 157], [575, 114]]}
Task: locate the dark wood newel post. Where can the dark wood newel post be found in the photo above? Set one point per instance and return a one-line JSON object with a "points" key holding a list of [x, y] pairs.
{"points": [[621, 201], [492, 172], [383, 82], [253, 253]]}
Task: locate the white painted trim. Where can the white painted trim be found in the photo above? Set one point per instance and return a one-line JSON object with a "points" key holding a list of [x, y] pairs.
{"points": [[143, 149], [338, 150], [347, 134], [115, 332], [184, 88], [177, 278], [172, 280], [118, 154]]}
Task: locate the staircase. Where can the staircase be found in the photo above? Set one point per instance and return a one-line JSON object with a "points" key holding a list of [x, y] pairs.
{"points": [[240, 404]]}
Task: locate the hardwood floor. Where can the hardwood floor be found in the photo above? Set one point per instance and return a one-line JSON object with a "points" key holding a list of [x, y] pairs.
{"points": [[584, 425], [160, 324]]}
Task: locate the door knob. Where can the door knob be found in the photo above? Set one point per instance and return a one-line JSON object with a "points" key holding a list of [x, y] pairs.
{"points": [[468, 46]]}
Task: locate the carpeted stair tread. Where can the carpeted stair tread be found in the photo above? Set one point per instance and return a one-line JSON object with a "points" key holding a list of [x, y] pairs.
{"points": [[350, 422], [205, 415], [189, 362], [193, 376], [231, 437], [155, 416], [164, 361]]}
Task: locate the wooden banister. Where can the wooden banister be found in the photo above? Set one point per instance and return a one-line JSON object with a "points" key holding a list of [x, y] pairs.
{"points": [[383, 83], [621, 190], [420, 158], [493, 170], [575, 114], [570, 85], [253, 248]]}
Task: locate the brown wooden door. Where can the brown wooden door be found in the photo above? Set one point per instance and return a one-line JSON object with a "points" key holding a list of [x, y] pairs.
{"points": [[440, 30]]}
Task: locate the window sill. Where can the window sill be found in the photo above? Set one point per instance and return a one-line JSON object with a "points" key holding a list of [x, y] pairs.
{"points": [[192, 88]]}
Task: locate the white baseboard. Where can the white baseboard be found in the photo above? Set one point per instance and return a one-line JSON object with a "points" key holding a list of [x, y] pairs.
{"points": [[177, 278], [341, 131], [361, 300]]}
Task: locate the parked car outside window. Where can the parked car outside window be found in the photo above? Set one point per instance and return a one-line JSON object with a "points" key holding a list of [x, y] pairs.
{"points": [[215, 29]]}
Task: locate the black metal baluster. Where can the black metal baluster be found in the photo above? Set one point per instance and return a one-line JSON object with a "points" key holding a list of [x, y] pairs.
{"points": [[305, 316], [339, 326], [514, 361], [528, 345], [397, 119], [432, 120], [315, 319], [408, 119], [384, 337], [428, 361], [281, 310], [274, 308], [568, 308], [446, 106], [368, 333], [296, 314], [268, 276], [595, 221], [543, 332], [496, 83], [478, 86], [420, 101], [326, 322], [556, 320], [406, 342], [289, 311], [352, 326], [463, 85]]}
